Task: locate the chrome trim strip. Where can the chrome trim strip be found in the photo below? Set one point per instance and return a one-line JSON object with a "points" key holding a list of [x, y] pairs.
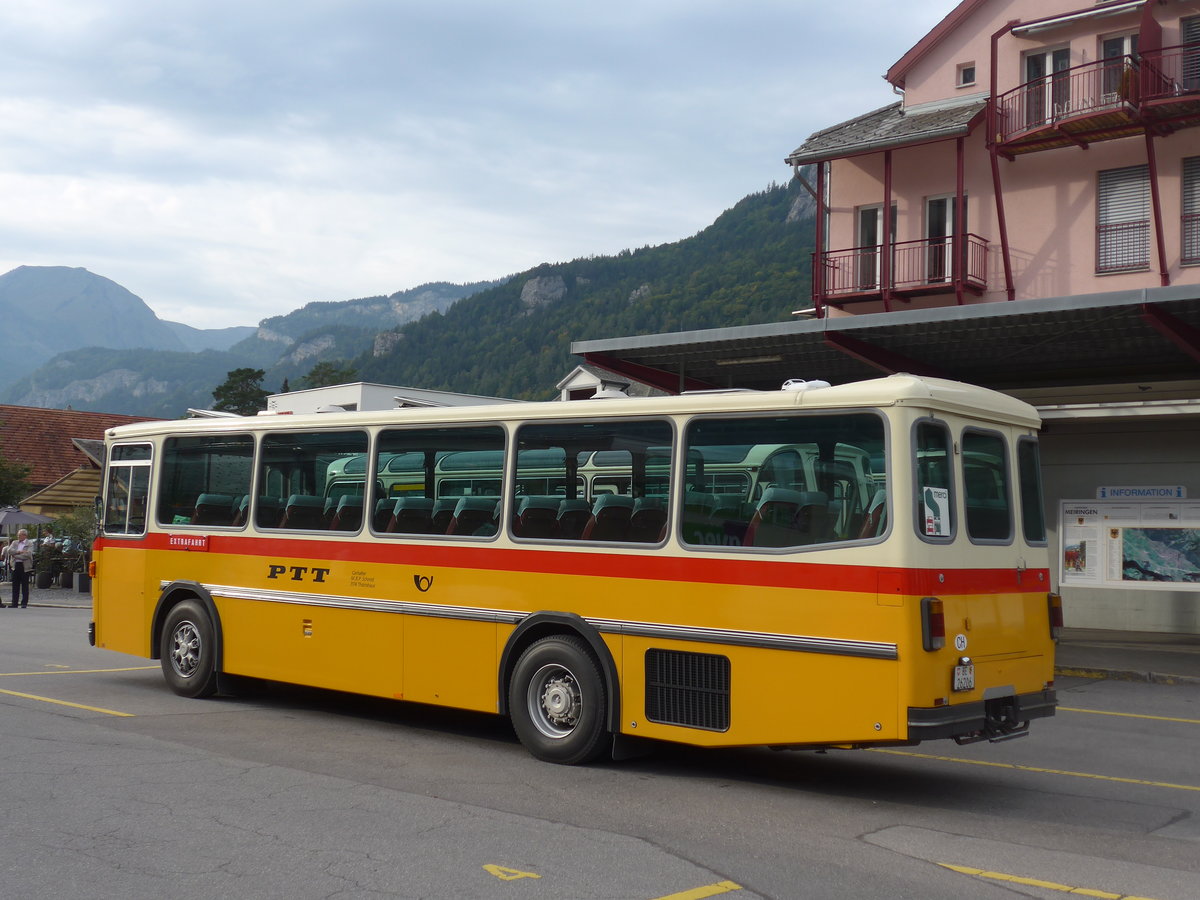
{"points": [[768, 640], [764, 639]]}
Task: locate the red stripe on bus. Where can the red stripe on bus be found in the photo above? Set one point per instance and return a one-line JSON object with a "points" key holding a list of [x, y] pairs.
{"points": [[787, 572]]}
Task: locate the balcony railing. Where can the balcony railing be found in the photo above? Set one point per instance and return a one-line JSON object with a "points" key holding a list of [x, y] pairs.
{"points": [[1123, 246], [923, 266], [1106, 98], [1170, 72], [1104, 85]]}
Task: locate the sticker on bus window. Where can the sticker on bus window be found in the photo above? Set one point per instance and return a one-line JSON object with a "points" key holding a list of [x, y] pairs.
{"points": [[936, 512]]}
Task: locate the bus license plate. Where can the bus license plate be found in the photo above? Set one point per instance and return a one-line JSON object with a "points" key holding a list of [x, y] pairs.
{"points": [[964, 678]]}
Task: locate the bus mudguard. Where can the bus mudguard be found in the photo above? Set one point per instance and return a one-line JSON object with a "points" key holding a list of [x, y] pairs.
{"points": [[172, 594], [543, 623]]}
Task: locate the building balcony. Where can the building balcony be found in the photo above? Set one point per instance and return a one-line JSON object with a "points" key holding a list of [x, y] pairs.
{"points": [[916, 268], [1157, 92]]}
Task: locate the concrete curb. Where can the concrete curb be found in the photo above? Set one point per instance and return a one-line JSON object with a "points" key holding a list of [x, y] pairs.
{"points": [[1124, 675]]}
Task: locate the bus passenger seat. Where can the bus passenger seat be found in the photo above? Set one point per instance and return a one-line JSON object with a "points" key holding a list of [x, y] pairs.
{"points": [[786, 518], [348, 516], [610, 519], [537, 517], [382, 517], [443, 513], [573, 516], [648, 523], [471, 514], [875, 520], [411, 515], [304, 511], [213, 509], [243, 510], [270, 511]]}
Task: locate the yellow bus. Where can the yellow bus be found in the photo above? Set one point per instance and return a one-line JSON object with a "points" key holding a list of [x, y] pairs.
{"points": [[812, 567]]}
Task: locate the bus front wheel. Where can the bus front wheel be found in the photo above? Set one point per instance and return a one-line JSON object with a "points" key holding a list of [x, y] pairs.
{"points": [[188, 651], [557, 701]]}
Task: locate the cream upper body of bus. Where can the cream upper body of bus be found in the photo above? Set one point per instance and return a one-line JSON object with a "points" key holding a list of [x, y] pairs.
{"points": [[832, 566]]}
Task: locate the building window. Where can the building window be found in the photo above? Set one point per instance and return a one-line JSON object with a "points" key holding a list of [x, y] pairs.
{"points": [[1118, 53], [966, 74], [1047, 89], [1191, 212], [1123, 220]]}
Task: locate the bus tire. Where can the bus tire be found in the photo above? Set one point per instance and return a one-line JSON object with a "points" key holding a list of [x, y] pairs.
{"points": [[557, 701], [188, 649]]}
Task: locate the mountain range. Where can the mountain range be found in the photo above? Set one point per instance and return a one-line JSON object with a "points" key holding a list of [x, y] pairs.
{"points": [[88, 343]]}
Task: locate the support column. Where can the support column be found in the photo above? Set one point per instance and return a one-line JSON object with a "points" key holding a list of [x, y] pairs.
{"points": [[1164, 276], [885, 252], [958, 245]]}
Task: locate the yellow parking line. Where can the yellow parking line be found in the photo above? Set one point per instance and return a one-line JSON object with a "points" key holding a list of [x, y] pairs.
{"points": [[709, 890], [1038, 769], [98, 709], [77, 671], [1034, 882], [1104, 712]]}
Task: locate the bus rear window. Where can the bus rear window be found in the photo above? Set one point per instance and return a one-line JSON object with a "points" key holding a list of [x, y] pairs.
{"points": [[985, 482], [784, 481], [935, 497]]}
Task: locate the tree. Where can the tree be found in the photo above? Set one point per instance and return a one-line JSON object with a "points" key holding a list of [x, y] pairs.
{"points": [[326, 373], [242, 392], [14, 482], [283, 388]]}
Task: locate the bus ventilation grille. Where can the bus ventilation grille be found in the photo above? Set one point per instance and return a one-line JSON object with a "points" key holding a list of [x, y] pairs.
{"points": [[689, 689]]}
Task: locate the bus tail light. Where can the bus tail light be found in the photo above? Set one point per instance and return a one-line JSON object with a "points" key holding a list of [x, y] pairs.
{"points": [[91, 568], [933, 624], [1054, 601]]}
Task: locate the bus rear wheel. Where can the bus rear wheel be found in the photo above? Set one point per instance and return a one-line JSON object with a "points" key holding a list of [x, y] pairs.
{"points": [[557, 701], [188, 651]]}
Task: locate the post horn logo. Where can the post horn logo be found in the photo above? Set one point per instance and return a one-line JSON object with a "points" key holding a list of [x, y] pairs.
{"points": [[423, 582]]}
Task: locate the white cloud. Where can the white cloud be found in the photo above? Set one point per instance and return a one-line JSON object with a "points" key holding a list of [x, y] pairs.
{"points": [[229, 161]]}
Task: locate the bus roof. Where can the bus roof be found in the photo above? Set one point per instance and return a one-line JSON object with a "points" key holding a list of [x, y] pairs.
{"points": [[895, 390]]}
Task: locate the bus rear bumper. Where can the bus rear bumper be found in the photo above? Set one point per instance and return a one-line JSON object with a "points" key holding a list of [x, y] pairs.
{"points": [[997, 719]]}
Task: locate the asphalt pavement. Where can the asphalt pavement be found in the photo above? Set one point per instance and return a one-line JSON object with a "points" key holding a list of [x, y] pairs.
{"points": [[1082, 652]]}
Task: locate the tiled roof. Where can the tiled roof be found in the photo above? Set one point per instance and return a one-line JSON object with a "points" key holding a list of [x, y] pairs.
{"points": [[890, 126], [41, 438]]}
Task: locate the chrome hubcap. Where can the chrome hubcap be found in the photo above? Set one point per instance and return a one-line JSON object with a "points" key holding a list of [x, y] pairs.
{"points": [[185, 650], [554, 701]]}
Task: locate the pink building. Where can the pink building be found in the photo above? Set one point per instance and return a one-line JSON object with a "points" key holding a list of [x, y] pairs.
{"points": [[1040, 148]]}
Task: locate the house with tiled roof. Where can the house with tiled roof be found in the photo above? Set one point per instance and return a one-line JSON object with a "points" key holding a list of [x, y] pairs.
{"points": [[64, 450]]}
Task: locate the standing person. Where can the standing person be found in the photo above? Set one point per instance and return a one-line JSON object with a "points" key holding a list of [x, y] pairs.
{"points": [[20, 558]]}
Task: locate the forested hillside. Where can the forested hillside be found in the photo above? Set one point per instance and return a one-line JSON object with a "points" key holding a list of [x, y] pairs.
{"points": [[750, 266]]}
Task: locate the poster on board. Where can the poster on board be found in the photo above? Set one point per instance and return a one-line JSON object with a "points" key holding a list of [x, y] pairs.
{"points": [[1126, 544]]}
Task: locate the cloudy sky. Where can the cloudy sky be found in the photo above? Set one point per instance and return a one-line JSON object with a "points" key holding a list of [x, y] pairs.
{"points": [[229, 160]]}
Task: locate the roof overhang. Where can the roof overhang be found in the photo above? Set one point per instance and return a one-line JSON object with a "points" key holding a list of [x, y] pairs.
{"points": [[1053, 346]]}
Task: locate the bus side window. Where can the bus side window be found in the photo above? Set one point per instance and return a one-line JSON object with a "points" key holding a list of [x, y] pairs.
{"points": [[810, 474], [628, 466], [128, 490], [298, 476], [202, 480], [442, 481]]}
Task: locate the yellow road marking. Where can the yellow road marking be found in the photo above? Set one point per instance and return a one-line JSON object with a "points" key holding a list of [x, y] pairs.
{"points": [[1034, 882], [1038, 769], [99, 709], [1104, 712], [506, 874], [78, 671], [709, 890]]}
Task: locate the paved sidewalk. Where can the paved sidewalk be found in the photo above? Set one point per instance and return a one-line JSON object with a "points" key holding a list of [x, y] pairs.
{"points": [[1082, 652]]}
